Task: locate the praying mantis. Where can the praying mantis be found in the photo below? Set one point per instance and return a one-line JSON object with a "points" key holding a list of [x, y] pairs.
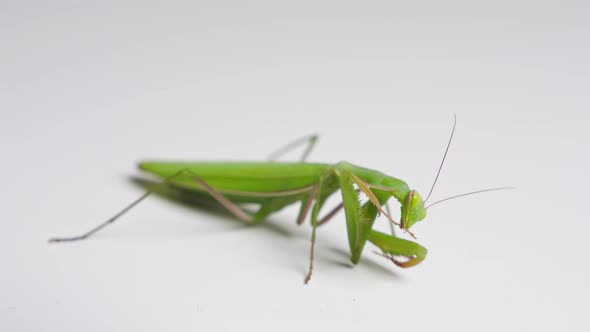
{"points": [[275, 185]]}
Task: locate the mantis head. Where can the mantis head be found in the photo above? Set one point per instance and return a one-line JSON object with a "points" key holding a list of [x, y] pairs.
{"points": [[413, 210]]}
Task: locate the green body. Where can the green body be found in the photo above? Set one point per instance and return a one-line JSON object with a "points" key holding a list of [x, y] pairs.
{"points": [[275, 185]]}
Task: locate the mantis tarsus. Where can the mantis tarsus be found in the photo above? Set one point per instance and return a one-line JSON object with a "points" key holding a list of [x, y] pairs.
{"points": [[275, 185]]}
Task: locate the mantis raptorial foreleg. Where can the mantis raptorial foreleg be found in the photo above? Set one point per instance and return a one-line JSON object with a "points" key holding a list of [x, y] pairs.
{"points": [[391, 245], [310, 140]]}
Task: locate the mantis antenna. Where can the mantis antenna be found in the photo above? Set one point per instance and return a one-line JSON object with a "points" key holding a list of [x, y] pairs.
{"points": [[469, 193], [443, 159]]}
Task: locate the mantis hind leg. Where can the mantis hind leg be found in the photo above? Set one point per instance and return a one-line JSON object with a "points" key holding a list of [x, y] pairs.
{"points": [[230, 206], [310, 140]]}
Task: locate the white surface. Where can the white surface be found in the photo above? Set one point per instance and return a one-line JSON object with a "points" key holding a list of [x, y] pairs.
{"points": [[86, 91]]}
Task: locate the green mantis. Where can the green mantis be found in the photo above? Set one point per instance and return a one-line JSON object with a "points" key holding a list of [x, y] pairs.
{"points": [[275, 185]]}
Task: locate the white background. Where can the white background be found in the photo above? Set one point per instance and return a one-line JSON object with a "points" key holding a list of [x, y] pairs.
{"points": [[87, 90]]}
